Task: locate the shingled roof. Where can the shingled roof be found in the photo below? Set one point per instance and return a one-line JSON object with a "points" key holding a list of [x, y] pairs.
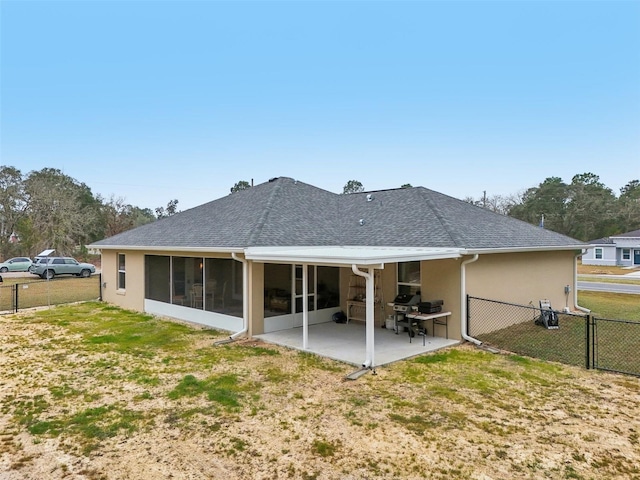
{"points": [[285, 212]]}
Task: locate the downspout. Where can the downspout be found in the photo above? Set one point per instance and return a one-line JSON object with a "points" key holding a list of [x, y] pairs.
{"points": [[245, 296], [575, 282], [369, 317], [463, 300]]}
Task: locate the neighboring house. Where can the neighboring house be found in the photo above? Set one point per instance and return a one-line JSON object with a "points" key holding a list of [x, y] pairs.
{"points": [[284, 254], [622, 250]]}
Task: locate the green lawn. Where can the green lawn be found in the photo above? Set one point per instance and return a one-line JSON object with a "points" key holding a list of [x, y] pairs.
{"points": [[617, 341], [611, 305]]}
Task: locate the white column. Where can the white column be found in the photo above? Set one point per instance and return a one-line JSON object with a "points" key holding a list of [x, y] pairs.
{"points": [[305, 307], [370, 317]]}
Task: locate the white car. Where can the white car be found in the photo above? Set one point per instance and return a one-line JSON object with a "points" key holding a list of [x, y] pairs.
{"points": [[16, 264]]}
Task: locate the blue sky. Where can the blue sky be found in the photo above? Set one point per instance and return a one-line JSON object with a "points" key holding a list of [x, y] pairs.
{"points": [[155, 100]]}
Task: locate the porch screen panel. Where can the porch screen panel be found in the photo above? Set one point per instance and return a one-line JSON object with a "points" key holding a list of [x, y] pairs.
{"points": [[157, 278], [277, 289], [328, 287], [223, 286]]}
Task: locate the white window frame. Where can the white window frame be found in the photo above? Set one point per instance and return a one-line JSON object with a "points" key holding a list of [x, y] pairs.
{"points": [[626, 254], [122, 272], [597, 254]]}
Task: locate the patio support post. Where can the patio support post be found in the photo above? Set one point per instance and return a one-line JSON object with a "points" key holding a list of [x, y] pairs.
{"points": [[245, 296], [370, 317], [370, 314], [305, 307]]}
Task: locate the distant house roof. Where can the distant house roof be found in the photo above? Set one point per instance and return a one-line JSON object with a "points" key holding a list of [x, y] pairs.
{"points": [[633, 234], [602, 241], [611, 239], [285, 213]]}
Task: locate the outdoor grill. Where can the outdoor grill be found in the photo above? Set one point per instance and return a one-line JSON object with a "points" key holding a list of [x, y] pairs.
{"points": [[403, 302]]}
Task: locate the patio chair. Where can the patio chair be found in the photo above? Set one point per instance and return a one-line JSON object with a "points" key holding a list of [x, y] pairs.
{"points": [[196, 295]]}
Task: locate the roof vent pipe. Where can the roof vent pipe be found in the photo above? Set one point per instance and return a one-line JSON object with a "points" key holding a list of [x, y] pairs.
{"points": [[369, 197], [361, 222], [245, 296]]}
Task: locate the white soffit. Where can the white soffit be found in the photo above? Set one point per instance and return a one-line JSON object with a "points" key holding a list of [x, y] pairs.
{"points": [[372, 256]]}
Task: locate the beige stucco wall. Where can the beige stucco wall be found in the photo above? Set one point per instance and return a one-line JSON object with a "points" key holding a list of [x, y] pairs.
{"points": [[523, 278], [133, 296], [441, 281]]}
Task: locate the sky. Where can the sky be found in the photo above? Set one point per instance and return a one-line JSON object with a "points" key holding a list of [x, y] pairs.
{"points": [[149, 101]]}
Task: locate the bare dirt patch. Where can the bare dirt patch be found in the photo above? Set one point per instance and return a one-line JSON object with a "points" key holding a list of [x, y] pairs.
{"points": [[93, 393]]}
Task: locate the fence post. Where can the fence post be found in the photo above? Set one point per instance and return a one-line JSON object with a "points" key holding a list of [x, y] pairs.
{"points": [[587, 326], [468, 312], [100, 286], [15, 304]]}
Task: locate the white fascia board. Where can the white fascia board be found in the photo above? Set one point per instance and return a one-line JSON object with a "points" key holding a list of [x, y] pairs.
{"points": [[366, 256], [168, 249], [484, 251]]}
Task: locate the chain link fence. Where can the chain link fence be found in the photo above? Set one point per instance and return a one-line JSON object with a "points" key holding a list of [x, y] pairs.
{"points": [[616, 345], [574, 339], [521, 329], [42, 293]]}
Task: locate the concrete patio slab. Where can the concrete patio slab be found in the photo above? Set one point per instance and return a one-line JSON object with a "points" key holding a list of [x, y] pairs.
{"points": [[347, 343]]}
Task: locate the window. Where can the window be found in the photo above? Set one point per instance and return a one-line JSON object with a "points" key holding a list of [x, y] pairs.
{"points": [[598, 254], [121, 271], [409, 277], [626, 254]]}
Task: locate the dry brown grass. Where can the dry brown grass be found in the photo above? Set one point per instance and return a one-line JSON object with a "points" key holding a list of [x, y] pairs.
{"points": [[601, 270], [94, 392]]}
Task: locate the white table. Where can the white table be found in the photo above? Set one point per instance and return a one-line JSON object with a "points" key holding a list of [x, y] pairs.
{"points": [[440, 318]]}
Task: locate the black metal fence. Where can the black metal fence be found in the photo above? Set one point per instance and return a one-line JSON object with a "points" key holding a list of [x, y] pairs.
{"points": [[574, 339], [616, 345], [42, 293]]}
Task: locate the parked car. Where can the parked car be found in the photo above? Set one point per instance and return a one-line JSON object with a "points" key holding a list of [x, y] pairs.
{"points": [[49, 267], [16, 264]]}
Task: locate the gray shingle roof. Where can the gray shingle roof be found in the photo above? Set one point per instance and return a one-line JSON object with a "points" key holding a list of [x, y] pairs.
{"points": [[286, 212], [633, 234]]}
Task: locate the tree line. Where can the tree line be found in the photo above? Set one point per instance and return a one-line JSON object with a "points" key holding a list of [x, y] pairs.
{"points": [[48, 209], [584, 209]]}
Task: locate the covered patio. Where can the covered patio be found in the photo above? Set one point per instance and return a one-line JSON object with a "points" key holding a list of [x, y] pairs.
{"points": [[357, 344], [346, 343]]}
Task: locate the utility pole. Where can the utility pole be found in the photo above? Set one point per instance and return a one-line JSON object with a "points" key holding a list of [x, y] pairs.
{"points": [[484, 199]]}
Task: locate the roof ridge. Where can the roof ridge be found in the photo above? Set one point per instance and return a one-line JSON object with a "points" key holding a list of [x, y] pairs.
{"points": [[424, 193], [257, 230]]}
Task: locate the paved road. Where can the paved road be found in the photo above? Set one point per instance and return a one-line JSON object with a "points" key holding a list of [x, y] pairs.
{"points": [[609, 287]]}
